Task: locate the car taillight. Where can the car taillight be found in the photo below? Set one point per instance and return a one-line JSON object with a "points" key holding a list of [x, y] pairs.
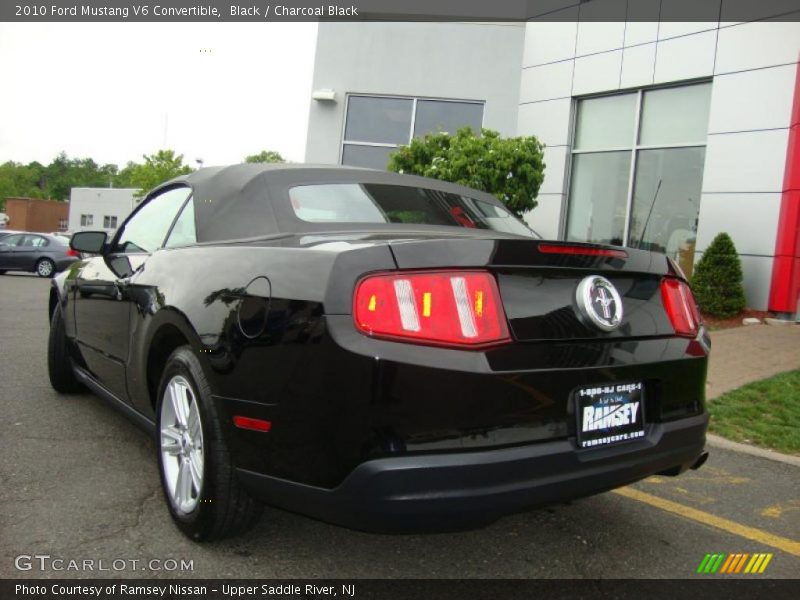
{"points": [[680, 306], [459, 308], [75, 253]]}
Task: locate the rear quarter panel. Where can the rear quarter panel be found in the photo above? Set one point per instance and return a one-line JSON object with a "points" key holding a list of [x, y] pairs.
{"points": [[200, 290]]}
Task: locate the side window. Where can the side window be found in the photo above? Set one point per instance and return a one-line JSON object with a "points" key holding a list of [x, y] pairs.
{"points": [[35, 241], [184, 232], [12, 240], [146, 230]]}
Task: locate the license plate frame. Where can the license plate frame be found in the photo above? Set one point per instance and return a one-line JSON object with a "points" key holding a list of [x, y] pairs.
{"points": [[609, 414]]}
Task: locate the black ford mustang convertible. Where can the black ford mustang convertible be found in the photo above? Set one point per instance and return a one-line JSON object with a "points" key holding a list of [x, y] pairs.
{"points": [[382, 351]]}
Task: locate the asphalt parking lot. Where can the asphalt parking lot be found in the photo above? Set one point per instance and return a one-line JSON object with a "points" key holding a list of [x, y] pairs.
{"points": [[79, 482]]}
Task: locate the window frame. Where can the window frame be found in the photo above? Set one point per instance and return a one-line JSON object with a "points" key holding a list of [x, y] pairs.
{"points": [[177, 218], [113, 244], [634, 148], [34, 237], [21, 237], [415, 100]]}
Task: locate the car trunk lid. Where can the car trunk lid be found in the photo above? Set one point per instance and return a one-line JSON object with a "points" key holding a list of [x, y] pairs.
{"points": [[539, 280]]}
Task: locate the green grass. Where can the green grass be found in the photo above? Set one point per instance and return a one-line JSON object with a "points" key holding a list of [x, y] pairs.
{"points": [[765, 413]]}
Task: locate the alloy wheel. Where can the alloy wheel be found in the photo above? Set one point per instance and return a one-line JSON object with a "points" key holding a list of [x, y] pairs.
{"points": [[44, 268], [182, 455]]}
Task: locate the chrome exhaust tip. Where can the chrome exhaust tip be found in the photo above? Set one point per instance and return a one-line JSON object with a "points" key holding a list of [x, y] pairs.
{"points": [[700, 461]]}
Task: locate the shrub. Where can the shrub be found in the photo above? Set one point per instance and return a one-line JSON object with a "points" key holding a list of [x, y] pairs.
{"points": [[717, 280], [265, 156], [511, 169]]}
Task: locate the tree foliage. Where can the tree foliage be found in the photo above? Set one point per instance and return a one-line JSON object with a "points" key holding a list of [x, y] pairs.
{"points": [[717, 279], [21, 180], [55, 180], [156, 169], [265, 156], [65, 173], [512, 169]]}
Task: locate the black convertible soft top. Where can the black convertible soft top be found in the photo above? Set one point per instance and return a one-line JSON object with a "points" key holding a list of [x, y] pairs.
{"points": [[251, 200]]}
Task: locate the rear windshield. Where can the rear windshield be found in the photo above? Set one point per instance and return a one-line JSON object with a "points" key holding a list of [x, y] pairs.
{"points": [[382, 203]]}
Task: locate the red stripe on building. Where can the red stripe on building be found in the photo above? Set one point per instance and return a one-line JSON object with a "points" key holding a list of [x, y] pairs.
{"points": [[785, 288]]}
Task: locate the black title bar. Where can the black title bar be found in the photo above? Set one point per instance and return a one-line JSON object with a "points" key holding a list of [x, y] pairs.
{"points": [[369, 589], [396, 10]]}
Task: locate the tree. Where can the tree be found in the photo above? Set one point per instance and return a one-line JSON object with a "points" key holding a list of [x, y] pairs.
{"points": [[123, 178], [512, 169], [56, 180], [65, 173], [717, 279], [265, 156], [18, 180], [156, 169]]}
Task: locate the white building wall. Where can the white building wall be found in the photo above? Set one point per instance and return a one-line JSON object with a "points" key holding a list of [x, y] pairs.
{"points": [[99, 202], [753, 67], [464, 61], [751, 105]]}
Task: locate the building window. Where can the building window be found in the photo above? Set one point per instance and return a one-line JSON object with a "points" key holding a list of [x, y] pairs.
{"points": [[63, 224], [375, 126], [87, 220], [109, 222], [637, 169]]}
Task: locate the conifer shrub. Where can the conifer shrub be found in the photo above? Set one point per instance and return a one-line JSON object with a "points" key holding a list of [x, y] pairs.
{"points": [[717, 279]]}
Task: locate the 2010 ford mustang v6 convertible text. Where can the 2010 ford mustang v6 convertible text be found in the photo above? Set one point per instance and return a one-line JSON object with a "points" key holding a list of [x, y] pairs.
{"points": [[382, 351]]}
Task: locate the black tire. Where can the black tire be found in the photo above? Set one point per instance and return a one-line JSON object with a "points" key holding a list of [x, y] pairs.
{"points": [[45, 267], [59, 364], [223, 508], [2, 272]]}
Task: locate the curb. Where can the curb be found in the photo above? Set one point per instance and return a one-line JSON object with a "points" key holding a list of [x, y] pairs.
{"points": [[720, 442]]}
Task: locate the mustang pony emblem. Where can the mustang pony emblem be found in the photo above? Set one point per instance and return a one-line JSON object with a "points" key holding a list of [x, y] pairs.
{"points": [[599, 303]]}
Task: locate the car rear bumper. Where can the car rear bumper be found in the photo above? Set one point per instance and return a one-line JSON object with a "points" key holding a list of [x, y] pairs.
{"points": [[436, 492]]}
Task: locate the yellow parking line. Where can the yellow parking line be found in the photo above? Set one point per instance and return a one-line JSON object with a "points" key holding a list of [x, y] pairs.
{"points": [[751, 533]]}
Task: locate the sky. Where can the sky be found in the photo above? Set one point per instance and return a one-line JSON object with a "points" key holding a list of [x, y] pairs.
{"points": [[115, 91]]}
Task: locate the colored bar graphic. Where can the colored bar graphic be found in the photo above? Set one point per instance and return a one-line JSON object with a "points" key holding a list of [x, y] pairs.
{"points": [[740, 564], [755, 562], [703, 563], [733, 564], [715, 566], [728, 563], [767, 558]]}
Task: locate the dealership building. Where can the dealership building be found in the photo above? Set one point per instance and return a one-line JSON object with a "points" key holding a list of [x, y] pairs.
{"points": [[658, 134], [92, 209]]}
